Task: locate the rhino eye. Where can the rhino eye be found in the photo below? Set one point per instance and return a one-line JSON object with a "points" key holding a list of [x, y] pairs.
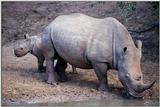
{"points": [[125, 49], [127, 76], [21, 48]]}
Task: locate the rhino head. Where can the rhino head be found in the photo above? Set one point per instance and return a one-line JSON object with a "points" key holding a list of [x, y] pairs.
{"points": [[23, 47], [130, 73]]}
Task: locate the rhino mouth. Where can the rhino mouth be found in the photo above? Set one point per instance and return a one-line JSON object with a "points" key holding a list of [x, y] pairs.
{"points": [[18, 54], [136, 91], [132, 92]]}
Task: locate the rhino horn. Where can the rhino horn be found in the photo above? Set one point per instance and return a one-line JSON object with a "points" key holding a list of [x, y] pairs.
{"points": [[147, 86]]}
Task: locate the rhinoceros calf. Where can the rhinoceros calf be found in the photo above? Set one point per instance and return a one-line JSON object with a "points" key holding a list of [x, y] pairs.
{"points": [[33, 45], [87, 42]]}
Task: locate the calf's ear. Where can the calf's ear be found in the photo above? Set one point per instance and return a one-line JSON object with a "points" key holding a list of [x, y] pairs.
{"points": [[26, 36]]}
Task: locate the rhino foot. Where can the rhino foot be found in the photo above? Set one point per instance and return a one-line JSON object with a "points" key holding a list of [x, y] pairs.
{"points": [[73, 73], [52, 83], [64, 79], [42, 70], [103, 87]]}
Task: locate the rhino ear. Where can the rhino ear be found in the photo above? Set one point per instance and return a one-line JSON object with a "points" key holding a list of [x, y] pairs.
{"points": [[26, 36], [139, 44]]}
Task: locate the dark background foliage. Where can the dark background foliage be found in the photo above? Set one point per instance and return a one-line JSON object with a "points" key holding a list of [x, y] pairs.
{"points": [[140, 18]]}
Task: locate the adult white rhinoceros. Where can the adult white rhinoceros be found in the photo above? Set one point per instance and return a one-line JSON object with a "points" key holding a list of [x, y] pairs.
{"points": [[87, 42]]}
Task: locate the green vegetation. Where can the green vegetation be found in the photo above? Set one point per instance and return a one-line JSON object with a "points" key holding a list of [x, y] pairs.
{"points": [[127, 8]]}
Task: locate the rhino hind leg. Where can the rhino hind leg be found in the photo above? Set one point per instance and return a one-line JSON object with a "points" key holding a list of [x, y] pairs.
{"points": [[101, 72], [60, 69], [41, 68]]}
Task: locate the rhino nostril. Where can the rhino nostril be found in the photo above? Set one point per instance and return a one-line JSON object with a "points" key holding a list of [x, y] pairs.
{"points": [[138, 78]]}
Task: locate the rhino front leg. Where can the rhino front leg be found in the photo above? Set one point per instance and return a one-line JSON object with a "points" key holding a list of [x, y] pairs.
{"points": [[101, 72], [41, 68], [52, 75]]}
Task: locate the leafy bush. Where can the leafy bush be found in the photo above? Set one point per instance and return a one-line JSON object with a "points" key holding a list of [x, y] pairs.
{"points": [[127, 8]]}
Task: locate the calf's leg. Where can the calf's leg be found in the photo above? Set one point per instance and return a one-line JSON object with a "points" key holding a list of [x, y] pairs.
{"points": [[52, 75], [41, 67]]}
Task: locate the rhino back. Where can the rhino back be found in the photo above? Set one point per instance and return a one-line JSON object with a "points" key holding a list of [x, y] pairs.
{"points": [[77, 37]]}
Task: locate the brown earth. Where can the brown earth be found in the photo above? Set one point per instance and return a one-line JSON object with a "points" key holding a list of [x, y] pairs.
{"points": [[22, 84]]}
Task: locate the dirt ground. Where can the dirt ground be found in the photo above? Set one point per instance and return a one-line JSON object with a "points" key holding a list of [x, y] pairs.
{"points": [[22, 84]]}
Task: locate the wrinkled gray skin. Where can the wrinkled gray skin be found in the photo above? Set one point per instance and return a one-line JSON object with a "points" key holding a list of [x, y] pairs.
{"points": [[87, 42], [33, 45]]}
